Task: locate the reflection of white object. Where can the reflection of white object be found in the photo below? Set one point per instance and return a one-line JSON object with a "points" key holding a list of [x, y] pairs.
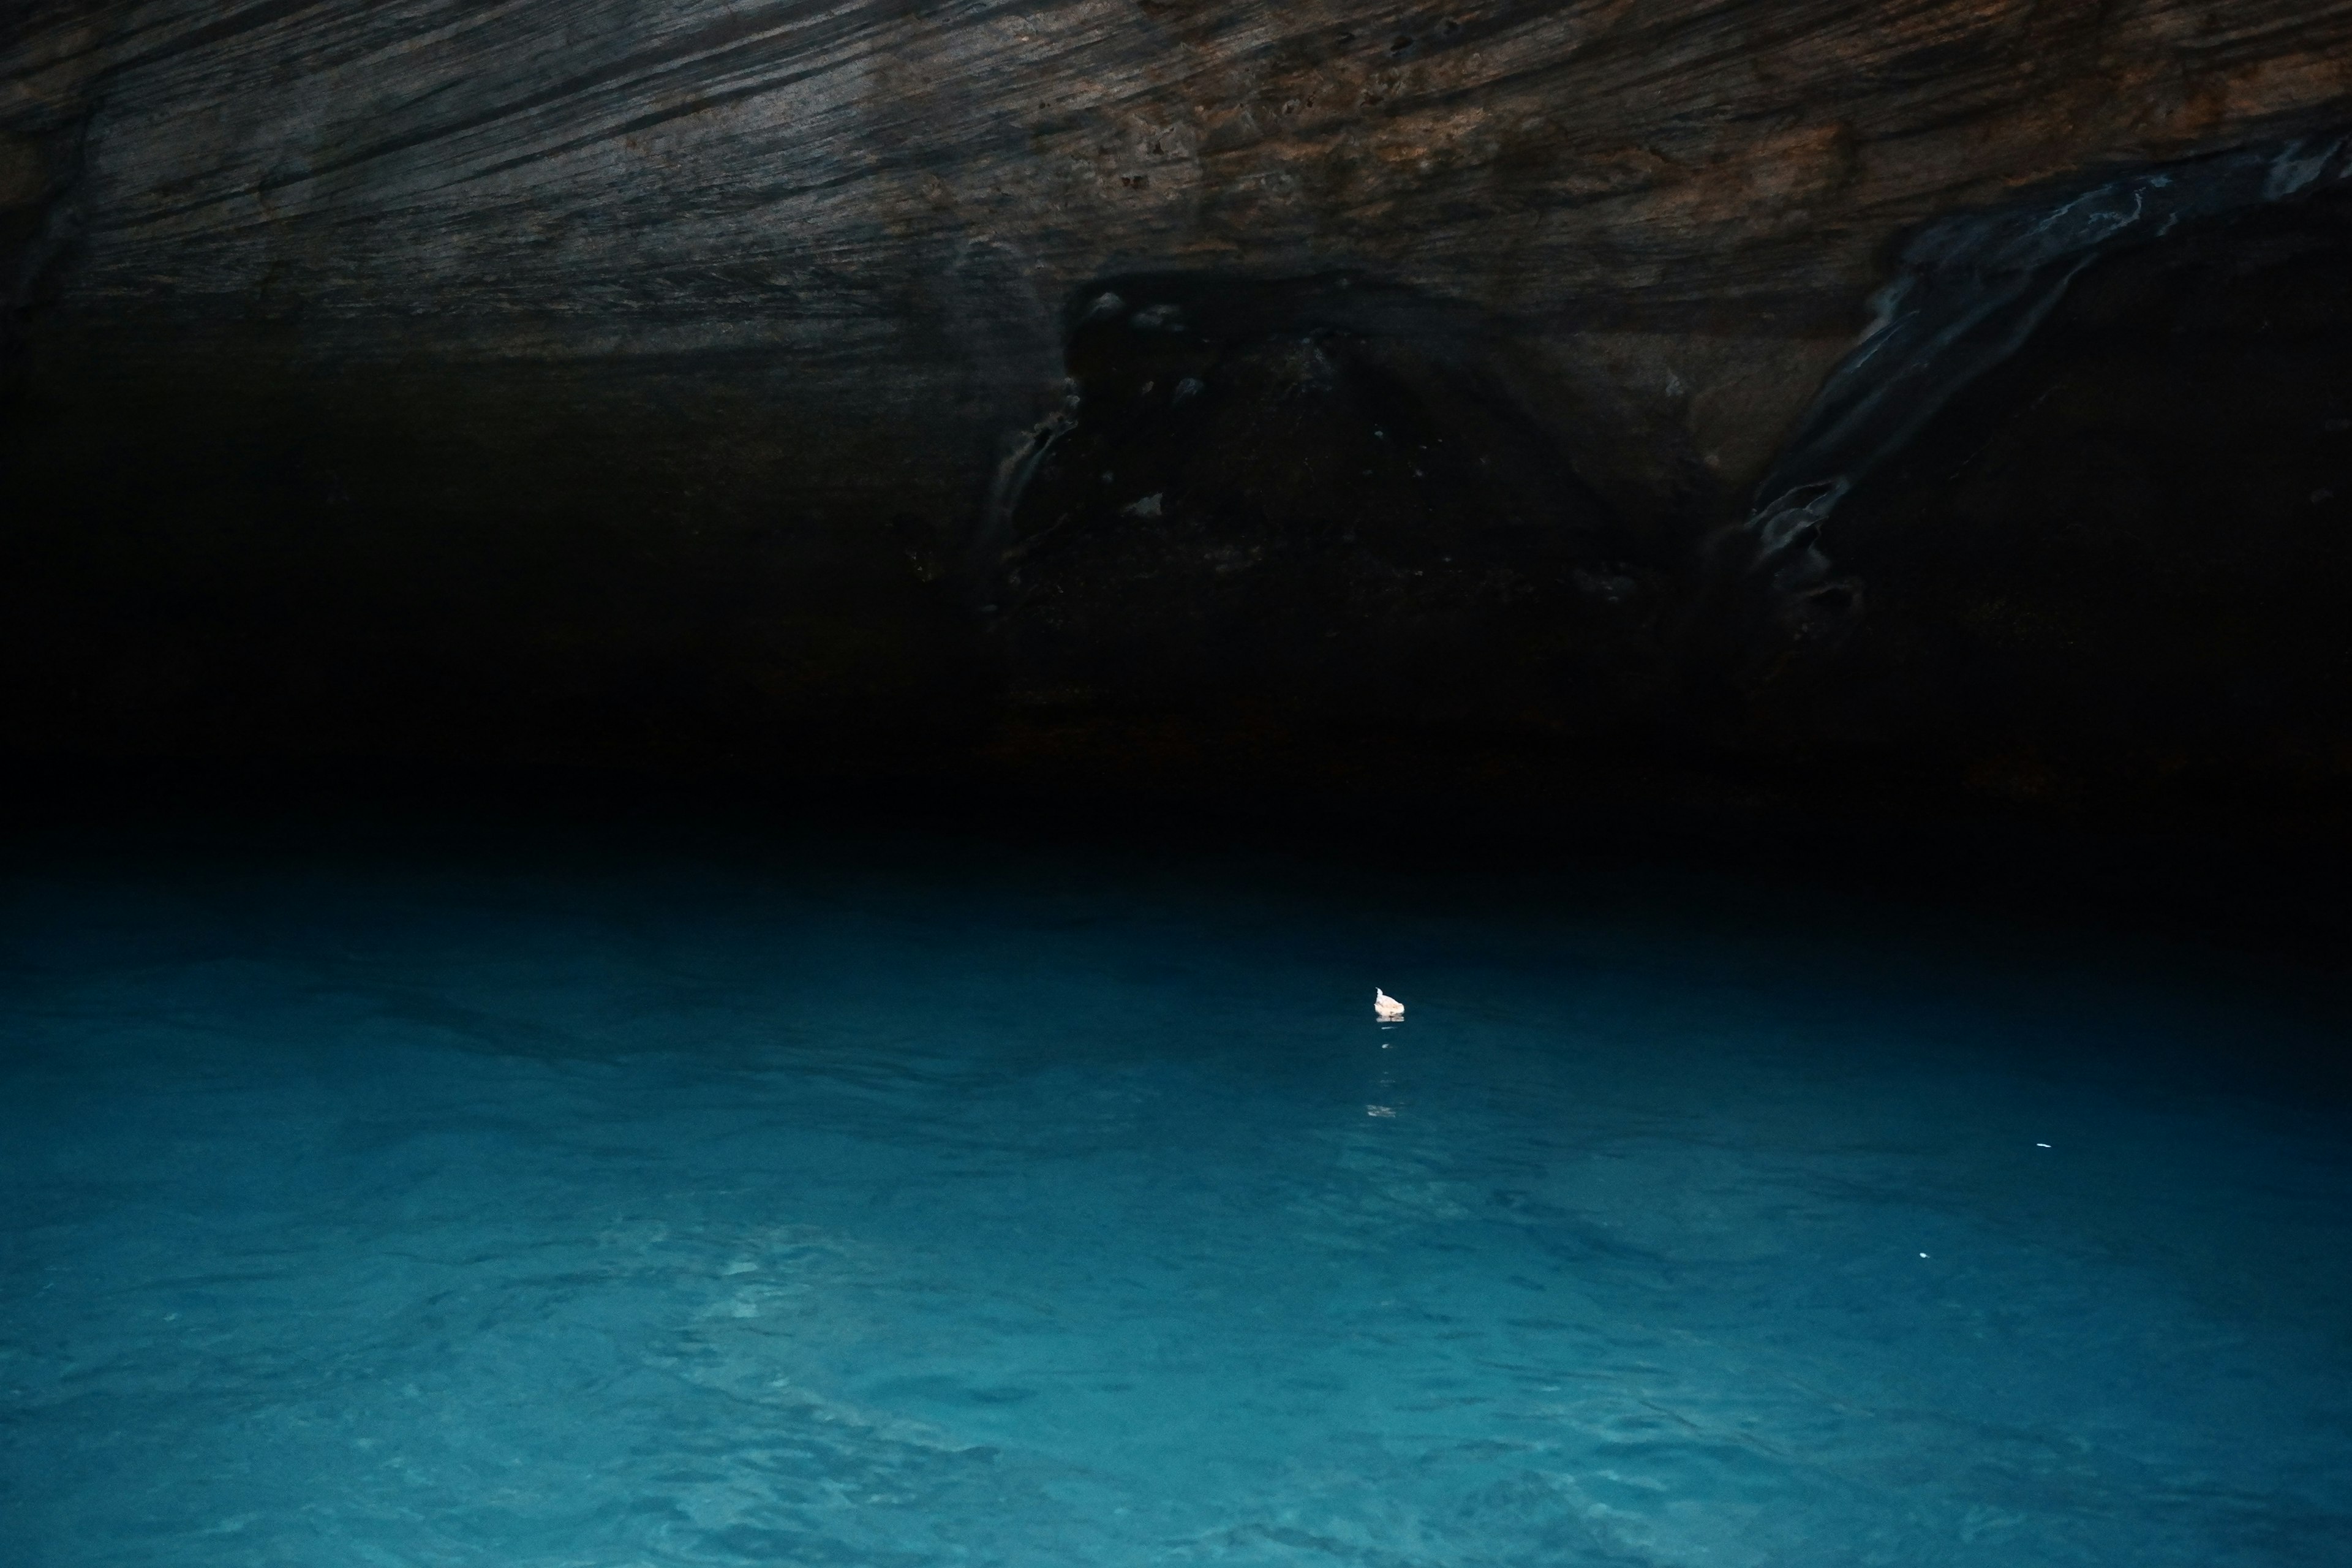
{"points": [[1385, 1006]]}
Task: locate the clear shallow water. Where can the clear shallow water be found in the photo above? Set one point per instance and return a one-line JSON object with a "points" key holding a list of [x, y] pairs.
{"points": [[927, 1204]]}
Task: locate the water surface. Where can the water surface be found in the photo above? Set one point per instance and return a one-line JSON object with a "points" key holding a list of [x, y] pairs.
{"points": [[932, 1201]]}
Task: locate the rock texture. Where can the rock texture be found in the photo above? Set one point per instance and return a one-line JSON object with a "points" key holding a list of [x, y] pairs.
{"points": [[611, 378], [1687, 202]]}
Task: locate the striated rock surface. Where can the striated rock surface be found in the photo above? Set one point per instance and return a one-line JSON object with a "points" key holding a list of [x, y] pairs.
{"points": [[613, 379]]}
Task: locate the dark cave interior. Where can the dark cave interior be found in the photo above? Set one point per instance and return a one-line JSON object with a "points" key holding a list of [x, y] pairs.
{"points": [[2030, 509], [1175, 782], [1305, 537], [2114, 562]]}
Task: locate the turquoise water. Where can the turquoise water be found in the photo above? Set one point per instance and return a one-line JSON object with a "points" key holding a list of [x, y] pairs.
{"points": [[917, 1202]]}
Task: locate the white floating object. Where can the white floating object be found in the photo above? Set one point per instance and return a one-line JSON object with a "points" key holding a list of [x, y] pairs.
{"points": [[2041, 1145], [1385, 1006]]}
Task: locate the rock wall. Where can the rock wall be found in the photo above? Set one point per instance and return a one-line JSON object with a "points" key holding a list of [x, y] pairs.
{"points": [[604, 378], [1682, 207]]}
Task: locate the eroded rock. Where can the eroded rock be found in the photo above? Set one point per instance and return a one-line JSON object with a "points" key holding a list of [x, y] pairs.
{"points": [[638, 381]]}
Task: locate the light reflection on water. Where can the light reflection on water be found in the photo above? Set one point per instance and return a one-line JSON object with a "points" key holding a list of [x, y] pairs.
{"points": [[928, 1206]]}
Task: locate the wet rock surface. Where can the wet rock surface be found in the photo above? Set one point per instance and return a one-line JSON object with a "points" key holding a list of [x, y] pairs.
{"points": [[1800, 393]]}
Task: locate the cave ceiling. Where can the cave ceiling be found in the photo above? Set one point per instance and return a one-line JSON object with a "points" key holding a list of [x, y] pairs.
{"points": [[1679, 208], [1652, 287]]}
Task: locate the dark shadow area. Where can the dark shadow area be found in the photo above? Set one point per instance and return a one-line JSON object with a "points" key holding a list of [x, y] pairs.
{"points": [[1290, 551], [2269, 900], [1310, 502], [489, 565], [2111, 574]]}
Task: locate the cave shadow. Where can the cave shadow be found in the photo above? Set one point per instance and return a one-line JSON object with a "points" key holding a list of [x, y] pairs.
{"points": [[2111, 570], [1308, 502]]}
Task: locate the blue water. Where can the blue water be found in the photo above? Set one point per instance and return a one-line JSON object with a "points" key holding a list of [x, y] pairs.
{"points": [[925, 1203]]}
